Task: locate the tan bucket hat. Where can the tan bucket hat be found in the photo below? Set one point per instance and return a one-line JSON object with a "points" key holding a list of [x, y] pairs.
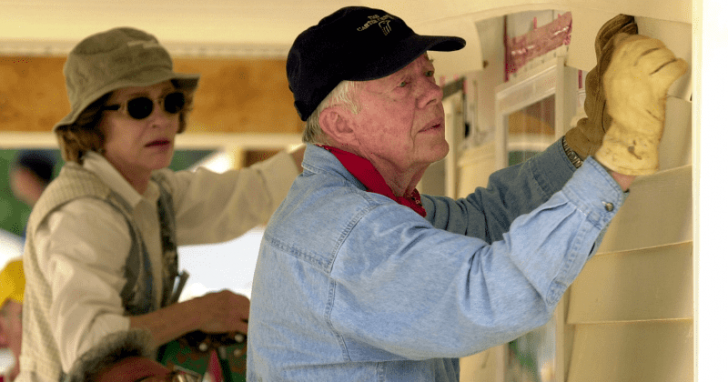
{"points": [[115, 59]]}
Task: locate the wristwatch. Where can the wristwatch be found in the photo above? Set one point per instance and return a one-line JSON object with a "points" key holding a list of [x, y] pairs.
{"points": [[571, 154]]}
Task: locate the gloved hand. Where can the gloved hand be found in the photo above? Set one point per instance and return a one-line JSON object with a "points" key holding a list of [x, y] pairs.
{"points": [[587, 136], [636, 85]]}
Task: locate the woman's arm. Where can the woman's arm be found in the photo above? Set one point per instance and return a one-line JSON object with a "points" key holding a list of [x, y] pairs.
{"points": [[217, 312], [213, 208]]}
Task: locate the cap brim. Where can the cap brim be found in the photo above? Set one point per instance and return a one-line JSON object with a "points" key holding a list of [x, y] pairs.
{"points": [[185, 81], [404, 52]]}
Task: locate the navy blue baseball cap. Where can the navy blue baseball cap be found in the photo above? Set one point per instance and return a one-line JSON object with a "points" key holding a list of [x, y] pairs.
{"points": [[353, 44]]}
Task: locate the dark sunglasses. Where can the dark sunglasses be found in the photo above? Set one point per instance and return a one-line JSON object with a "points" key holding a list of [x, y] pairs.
{"points": [[142, 107]]}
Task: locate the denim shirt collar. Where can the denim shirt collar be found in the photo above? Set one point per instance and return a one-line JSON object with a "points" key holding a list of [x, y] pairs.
{"points": [[318, 160]]}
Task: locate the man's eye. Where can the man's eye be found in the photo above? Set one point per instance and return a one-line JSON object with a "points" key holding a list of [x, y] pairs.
{"points": [[403, 84], [430, 73]]}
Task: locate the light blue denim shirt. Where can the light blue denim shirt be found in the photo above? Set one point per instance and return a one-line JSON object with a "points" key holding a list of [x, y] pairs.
{"points": [[351, 286]]}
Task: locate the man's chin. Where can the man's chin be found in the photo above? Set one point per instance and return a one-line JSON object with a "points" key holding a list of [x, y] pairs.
{"points": [[439, 152]]}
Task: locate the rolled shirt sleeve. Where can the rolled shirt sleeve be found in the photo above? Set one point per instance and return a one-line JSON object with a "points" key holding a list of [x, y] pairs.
{"points": [[213, 208], [487, 213]]}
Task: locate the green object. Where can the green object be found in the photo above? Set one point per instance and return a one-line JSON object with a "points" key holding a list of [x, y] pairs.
{"points": [[179, 357], [233, 360], [192, 354]]}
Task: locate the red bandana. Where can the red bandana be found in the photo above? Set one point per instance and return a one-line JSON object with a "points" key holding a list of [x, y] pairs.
{"points": [[365, 172]]}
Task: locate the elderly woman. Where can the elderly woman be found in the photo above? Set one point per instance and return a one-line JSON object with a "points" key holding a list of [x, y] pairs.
{"points": [[101, 251]]}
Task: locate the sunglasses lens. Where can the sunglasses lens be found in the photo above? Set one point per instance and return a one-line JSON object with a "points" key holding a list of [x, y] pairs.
{"points": [[140, 108], [174, 102]]}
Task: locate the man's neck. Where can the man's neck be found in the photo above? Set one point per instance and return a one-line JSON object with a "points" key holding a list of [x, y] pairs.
{"points": [[364, 171], [402, 182]]}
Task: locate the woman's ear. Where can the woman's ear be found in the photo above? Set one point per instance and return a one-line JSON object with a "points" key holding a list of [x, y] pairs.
{"points": [[336, 122]]}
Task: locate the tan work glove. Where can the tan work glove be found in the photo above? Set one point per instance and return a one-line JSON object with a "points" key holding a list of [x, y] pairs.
{"points": [[636, 84], [587, 136]]}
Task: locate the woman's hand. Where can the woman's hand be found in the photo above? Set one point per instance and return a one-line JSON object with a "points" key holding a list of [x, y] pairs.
{"points": [[218, 312], [222, 312]]}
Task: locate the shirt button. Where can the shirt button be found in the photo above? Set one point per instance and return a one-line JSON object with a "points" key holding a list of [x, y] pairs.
{"points": [[609, 207]]}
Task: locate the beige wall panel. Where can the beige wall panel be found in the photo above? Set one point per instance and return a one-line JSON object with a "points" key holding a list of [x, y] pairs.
{"points": [[653, 283], [658, 211], [482, 367], [585, 25], [676, 145], [678, 36], [650, 351]]}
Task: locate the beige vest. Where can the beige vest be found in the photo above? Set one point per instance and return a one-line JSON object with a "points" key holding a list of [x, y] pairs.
{"points": [[40, 358]]}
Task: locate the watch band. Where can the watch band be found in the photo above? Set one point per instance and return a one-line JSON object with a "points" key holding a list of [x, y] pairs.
{"points": [[571, 154]]}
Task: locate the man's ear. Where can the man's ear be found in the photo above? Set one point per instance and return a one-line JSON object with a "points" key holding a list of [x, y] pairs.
{"points": [[336, 122]]}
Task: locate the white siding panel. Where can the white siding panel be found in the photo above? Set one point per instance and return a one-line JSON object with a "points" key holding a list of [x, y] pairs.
{"points": [[657, 212], [676, 144], [653, 283], [482, 367], [652, 351]]}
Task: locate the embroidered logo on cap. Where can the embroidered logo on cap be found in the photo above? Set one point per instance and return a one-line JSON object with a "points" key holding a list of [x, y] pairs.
{"points": [[144, 44], [382, 21]]}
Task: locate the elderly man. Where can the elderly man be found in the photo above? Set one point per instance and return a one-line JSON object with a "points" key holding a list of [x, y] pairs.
{"points": [[359, 277], [12, 291]]}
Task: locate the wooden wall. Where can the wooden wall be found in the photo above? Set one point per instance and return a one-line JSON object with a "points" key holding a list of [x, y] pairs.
{"points": [[235, 95], [32, 93]]}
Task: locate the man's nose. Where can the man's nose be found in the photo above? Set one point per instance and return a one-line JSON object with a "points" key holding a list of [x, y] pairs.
{"points": [[430, 92]]}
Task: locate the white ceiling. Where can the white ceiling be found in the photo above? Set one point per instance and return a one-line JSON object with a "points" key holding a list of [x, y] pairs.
{"points": [[257, 26]]}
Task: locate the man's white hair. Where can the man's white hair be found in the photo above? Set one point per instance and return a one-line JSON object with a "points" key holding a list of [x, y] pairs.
{"points": [[344, 94]]}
